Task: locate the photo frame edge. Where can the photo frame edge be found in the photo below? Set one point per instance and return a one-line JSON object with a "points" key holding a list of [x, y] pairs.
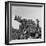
{"points": [[8, 29]]}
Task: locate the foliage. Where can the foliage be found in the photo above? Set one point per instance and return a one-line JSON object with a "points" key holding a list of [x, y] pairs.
{"points": [[27, 29]]}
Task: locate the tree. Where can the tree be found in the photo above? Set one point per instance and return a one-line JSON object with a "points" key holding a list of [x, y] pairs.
{"points": [[18, 18], [37, 23]]}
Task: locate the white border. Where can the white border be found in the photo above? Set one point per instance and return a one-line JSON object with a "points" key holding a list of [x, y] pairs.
{"points": [[9, 21]]}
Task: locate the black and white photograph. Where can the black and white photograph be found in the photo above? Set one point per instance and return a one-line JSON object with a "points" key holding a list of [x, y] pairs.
{"points": [[24, 22]]}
